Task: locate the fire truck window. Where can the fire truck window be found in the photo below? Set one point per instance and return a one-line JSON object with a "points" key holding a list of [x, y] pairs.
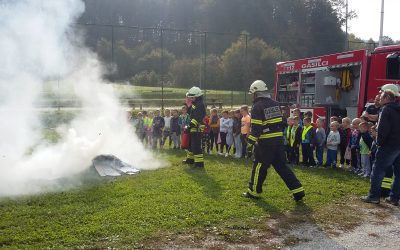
{"points": [[393, 66]]}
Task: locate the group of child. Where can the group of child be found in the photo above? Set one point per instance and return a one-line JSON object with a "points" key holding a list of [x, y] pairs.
{"points": [[354, 139], [154, 130], [226, 132]]}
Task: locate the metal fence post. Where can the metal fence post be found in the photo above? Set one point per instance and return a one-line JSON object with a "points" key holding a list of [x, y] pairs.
{"points": [[232, 98], [112, 44], [162, 68], [158, 32], [246, 73], [205, 66]]}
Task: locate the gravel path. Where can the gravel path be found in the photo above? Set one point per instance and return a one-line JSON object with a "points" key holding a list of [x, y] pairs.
{"points": [[380, 229], [374, 227]]}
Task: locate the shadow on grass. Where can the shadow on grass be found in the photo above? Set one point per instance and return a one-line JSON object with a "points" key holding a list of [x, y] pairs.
{"points": [[336, 173], [228, 161], [269, 207], [303, 208], [210, 187], [175, 152], [266, 206]]}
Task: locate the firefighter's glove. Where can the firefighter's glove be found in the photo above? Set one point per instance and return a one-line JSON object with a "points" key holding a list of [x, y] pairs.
{"points": [[186, 128], [249, 150]]}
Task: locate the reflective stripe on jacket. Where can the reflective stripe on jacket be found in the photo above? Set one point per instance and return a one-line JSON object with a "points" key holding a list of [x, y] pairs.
{"points": [[266, 122]]}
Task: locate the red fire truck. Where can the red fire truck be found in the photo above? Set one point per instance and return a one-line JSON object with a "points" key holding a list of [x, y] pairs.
{"points": [[339, 84]]}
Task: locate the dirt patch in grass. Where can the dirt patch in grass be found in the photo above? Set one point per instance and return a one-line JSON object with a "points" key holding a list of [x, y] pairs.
{"points": [[263, 235], [342, 217], [348, 225]]}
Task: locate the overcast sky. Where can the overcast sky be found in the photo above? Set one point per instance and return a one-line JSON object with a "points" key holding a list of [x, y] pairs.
{"points": [[366, 25]]}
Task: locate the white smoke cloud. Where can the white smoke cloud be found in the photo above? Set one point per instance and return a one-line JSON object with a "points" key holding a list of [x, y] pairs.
{"points": [[36, 45]]}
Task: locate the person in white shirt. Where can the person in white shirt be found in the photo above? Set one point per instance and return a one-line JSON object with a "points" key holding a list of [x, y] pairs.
{"points": [[332, 143], [167, 128], [229, 135], [224, 124]]}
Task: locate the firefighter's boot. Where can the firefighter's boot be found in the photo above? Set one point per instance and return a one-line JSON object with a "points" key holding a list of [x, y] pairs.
{"points": [[189, 158], [199, 164], [299, 196], [251, 195]]}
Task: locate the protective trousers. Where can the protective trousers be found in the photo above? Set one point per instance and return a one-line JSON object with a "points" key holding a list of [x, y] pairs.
{"points": [[195, 152], [273, 155], [387, 183]]}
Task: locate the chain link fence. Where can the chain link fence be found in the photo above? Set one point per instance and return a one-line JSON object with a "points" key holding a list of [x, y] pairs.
{"points": [[154, 67]]}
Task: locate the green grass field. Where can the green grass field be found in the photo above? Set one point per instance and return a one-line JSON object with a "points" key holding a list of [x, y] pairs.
{"points": [[174, 96], [135, 211]]}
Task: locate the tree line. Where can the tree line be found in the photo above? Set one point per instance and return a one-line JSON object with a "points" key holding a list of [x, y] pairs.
{"points": [[275, 30]]}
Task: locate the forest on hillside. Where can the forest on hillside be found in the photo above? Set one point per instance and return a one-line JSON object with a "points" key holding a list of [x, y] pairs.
{"points": [[164, 40]]}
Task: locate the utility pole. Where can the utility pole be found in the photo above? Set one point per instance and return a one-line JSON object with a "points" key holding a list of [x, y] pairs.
{"points": [[205, 66], [381, 30], [347, 17], [246, 67], [113, 76], [112, 44], [162, 68]]}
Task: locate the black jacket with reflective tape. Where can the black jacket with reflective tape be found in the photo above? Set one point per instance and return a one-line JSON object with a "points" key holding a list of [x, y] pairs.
{"points": [[197, 113], [266, 122]]}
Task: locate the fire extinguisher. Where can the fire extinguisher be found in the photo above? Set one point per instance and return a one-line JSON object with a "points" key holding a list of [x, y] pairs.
{"points": [[185, 138]]}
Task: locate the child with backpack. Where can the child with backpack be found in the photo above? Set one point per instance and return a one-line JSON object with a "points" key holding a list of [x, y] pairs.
{"points": [[365, 148]]}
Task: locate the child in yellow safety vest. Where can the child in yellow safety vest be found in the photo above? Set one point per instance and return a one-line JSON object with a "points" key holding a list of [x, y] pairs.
{"points": [[148, 124], [295, 140], [307, 143], [145, 125]]}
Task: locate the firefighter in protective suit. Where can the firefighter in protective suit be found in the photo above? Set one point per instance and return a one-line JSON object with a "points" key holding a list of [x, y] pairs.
{"points": [[197, 112], [266, 139]]}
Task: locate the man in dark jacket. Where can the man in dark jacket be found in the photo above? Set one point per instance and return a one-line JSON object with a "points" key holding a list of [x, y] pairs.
{"points": [[266, 137], [197, 112], [388, 152], [372, 111]]}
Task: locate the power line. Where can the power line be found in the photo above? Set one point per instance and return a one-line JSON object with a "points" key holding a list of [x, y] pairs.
{"points": [[161, 28], [281, 38]]}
